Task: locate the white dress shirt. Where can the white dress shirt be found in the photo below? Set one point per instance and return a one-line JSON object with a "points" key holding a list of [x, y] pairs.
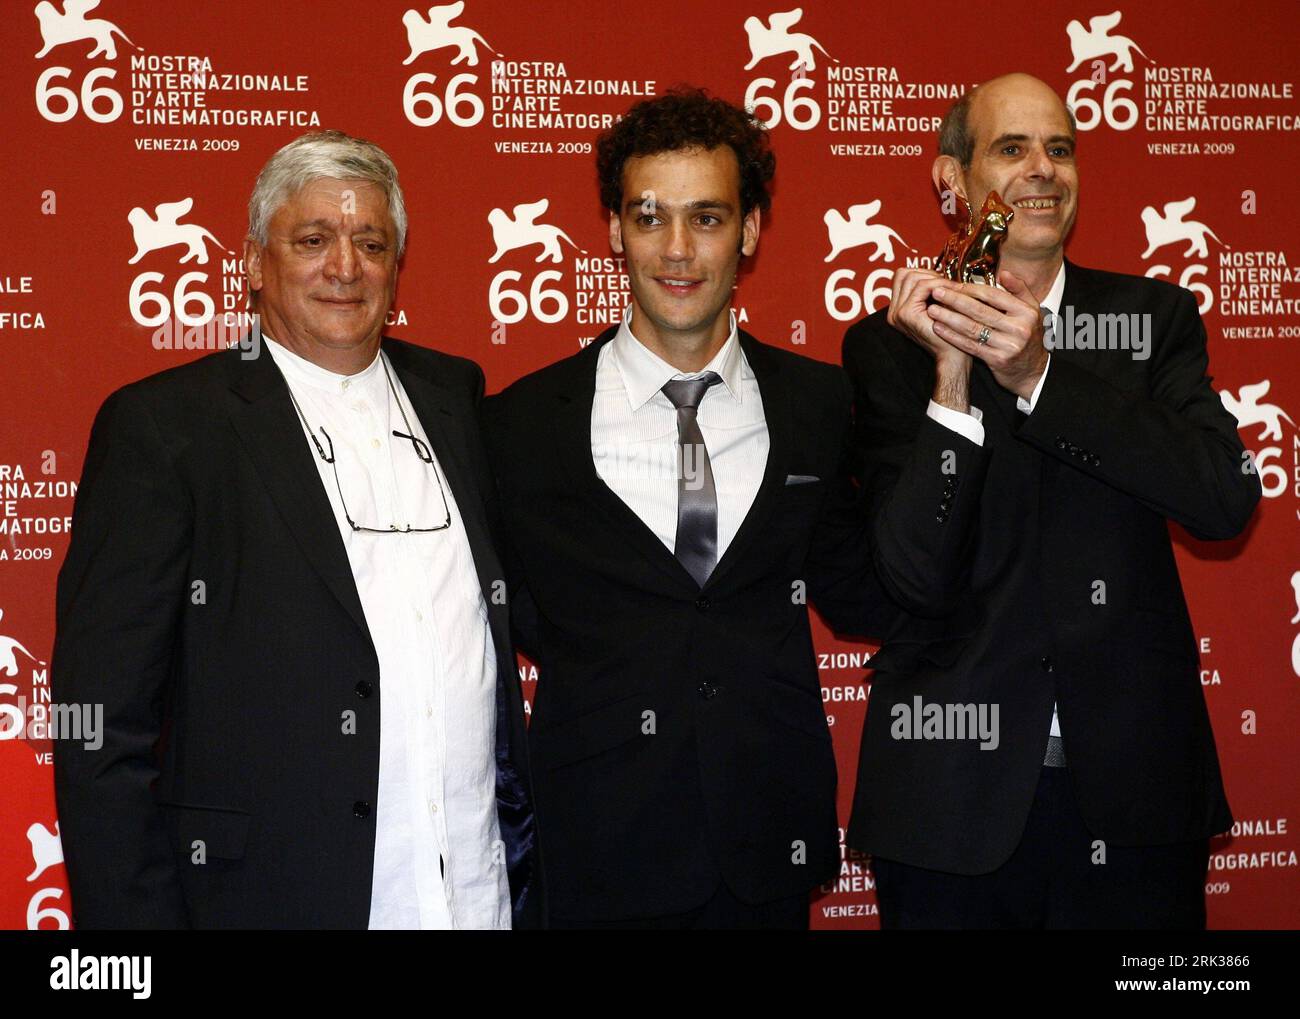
{"points": [[972, 425], [437, 666], [634, 432]]}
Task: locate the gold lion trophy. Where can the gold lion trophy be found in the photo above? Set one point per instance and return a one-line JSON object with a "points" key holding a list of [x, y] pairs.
{"points": [[971, 254]]}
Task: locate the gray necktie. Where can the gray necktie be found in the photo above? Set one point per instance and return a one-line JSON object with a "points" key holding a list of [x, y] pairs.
{"points": [[696, 547]]}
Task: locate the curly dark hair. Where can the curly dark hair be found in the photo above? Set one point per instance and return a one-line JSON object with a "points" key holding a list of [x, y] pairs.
{"points": [[684, 118]]}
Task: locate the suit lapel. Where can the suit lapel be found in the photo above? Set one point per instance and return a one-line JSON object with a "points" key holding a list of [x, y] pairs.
{"points": [[271, 433], [1079, 284], [774, 387], [573, 425]]}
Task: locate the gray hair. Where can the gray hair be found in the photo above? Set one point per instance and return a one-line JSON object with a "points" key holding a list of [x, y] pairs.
{"points": [[955, 138], [330, 154]]}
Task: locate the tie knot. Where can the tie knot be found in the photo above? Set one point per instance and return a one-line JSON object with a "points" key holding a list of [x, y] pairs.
{"points": [[689, 392]]}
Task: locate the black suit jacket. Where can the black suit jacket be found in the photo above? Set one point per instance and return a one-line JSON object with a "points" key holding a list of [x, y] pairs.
{"points": [[678, 733], [201, 474], [1040, 568]]}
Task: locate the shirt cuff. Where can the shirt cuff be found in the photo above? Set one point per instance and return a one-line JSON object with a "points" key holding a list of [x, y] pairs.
{"points": [[970, 425], [1027, 406]]}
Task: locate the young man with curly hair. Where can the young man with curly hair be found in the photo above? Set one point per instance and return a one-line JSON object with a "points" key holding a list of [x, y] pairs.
{"points": [[672, 497]]}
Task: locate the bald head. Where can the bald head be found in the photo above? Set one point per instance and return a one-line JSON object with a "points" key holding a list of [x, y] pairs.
{"points": [[958, 132]]}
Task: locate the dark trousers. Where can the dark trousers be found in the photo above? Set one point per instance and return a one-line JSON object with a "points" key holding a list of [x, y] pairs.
{"points": [[1054, 880], [722, 912]]}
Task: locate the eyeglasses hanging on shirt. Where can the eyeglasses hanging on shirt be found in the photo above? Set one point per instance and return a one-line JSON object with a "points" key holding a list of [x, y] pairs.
{"points": [[420, 447]]}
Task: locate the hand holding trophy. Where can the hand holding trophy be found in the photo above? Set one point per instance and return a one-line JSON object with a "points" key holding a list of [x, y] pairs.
{"points": [[997, 321], [962, 309]]}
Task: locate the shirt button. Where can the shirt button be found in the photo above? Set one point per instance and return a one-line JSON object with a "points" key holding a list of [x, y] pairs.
{"points": [[433, 807], [419, 616], [1046, 664], [375, 442], [364, 689], [361, 809], [428, 711], [347, 383]]}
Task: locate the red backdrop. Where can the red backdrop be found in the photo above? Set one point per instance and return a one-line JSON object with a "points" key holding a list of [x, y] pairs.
{"points": [[134, 105]]}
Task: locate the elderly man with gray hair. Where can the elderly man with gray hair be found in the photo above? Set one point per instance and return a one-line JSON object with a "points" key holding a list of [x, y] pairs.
{"points": [[282, 588]]}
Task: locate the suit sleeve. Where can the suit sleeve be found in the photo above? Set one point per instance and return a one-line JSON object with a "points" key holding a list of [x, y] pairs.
{"points": [[120, 596], [842, 579], [1176, 450], [921, 482], [523, 610]]}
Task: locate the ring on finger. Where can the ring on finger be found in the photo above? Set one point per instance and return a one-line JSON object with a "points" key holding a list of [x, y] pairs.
{"points": [[984, 335]]}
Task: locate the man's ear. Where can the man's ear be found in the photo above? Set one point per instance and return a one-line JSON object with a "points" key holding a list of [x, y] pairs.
{"points": [[615, 233], [948, 176], [749, 231], [253, 263]]}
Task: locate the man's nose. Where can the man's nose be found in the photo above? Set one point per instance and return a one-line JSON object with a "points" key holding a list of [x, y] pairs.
{"points": [[680, 244], [343, 263], [1040, 163]]}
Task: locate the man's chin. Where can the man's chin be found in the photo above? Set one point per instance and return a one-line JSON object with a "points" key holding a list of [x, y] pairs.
{"points": [[340, 344], [1033, 248], [681, 320]]}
